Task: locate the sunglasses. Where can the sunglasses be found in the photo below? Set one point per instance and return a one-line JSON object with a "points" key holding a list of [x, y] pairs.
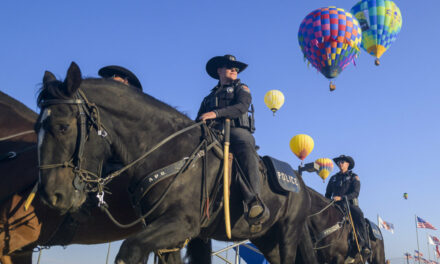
{"points": [[232, 68]]}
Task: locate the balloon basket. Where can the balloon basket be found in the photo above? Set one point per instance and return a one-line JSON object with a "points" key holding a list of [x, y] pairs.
{"points": [[377, 62], [332, 86]]}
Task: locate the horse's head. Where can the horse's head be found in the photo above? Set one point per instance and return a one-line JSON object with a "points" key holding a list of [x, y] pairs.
{"points": [[71, 142]]}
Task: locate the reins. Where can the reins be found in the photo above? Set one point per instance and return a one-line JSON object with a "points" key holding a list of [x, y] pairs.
{"points": [[13, 154], [90, 111], [17, 135], [329, 230], [323, 209]]}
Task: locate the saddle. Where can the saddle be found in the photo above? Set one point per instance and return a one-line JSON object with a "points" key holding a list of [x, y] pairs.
{"points": [[373, 231]]}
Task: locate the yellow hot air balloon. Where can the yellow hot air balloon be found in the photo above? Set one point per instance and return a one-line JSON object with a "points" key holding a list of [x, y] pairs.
{"points": [[274, 99], [301, 145], [325, 167]]}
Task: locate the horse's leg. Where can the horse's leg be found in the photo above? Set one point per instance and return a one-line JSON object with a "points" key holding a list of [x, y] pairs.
{"points": [[170, 258], [160, 234], [5, 259], [199, 251], [269, 246], [307, 251]]}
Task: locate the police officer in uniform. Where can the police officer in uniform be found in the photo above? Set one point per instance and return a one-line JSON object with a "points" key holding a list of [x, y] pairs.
{"points": [[231, 99], [120, 74], [346, 185]]}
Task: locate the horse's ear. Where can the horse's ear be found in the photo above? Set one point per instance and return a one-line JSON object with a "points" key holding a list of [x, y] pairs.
{"points": [[48, 77], [73, 79]]}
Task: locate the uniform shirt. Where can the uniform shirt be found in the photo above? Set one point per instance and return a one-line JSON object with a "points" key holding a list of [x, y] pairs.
{"points": [[343, 184], [228, 101]]}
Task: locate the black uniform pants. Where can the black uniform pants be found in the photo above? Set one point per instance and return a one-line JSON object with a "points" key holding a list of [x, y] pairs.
{"points": [[243, 147], [360, 224]]}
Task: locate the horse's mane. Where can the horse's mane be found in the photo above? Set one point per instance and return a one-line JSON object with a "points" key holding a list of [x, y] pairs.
{"points": [[19, 108], [317, 195], [50, 90]]}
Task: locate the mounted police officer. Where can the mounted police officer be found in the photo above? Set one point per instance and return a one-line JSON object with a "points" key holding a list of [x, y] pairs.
{"points": [[231, 99], [346, 185], [120, 74]]}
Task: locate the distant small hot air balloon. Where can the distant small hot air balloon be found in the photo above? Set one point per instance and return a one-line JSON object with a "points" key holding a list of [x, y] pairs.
{"points": [[325, 167], [301, 145], [274, 99], [405, 195], [380, 21]]}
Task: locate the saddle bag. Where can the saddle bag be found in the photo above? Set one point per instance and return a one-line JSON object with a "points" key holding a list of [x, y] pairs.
{"points": [[282, 177]]}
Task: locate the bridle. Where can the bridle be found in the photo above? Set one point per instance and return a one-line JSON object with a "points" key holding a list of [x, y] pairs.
{"points": [[88, 117], [86, 180]]}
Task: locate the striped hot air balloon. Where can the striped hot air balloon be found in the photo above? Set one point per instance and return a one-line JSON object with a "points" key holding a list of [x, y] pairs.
{"points": [[330, 38], [301, 145], [325, 167], [380, 21], [274, 99]]}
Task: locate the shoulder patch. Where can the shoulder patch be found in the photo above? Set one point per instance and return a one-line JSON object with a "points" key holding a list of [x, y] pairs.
{"points": [[246, 89], [357, 178]]}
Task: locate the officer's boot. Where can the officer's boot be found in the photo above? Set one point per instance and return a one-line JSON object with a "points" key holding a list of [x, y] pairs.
{"points": [[257, 212], [366, 250]]}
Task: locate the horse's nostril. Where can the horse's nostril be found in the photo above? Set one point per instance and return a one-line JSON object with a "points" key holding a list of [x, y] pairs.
{"points": [[56, 198]]}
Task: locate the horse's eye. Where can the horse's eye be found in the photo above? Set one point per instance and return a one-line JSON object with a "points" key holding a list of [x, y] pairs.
{"points": [[63, 128]]}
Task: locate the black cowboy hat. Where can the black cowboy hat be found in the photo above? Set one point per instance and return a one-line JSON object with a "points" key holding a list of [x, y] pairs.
{"points": [[220, 61], [347, 159], [109, 71]]}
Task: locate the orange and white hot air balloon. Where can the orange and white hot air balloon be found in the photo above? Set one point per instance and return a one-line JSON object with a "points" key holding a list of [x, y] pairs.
{"points": [[301, 145]]}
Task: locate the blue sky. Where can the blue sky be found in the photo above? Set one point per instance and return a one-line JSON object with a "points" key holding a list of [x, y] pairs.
{"points": [[385, 117]]}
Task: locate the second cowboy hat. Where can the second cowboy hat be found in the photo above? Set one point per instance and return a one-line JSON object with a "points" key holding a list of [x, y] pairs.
{"points": [[220, 61], [110, 71], [347, 159]]}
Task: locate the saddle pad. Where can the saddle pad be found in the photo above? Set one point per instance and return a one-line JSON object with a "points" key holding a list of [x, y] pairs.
{"points": [[281, 175], [374, 229]]}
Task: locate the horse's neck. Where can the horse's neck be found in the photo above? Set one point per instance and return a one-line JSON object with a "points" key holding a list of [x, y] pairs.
{"points": [[14, 120], [328, 216], [138, 122]]}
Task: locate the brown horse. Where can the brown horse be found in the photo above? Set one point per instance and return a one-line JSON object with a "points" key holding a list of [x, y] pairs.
{"points": [[20, 230]]}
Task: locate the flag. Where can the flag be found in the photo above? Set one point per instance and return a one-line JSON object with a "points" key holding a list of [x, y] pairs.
{"points": [[437, 250], [418, 254], [433, 240], [423, 224], [407, 256], [385, 225]]}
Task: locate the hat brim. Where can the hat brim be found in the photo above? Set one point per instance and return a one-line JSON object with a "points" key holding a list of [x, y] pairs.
{"points": [[109, 71], [347, 159], [220, 61]]}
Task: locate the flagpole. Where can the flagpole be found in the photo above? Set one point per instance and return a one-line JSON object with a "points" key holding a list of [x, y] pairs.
{"points": [[429, 254], [417, 234]]}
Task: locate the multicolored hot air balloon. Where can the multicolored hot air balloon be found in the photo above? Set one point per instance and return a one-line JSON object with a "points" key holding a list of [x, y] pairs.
{"points": [[325, 167], [380, 21], [274, 99], [405, 195], [301, 145], [330, 38]]}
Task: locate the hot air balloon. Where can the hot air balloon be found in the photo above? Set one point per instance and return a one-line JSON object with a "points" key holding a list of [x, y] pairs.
{"points": [[330, 38], [301, 145], [274, 99], [380, 21], [325, 167], [405, 195]]}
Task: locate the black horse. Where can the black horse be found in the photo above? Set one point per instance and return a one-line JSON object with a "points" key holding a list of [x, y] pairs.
{"points": [[85, 123], [377, 244], [331, 232]]}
